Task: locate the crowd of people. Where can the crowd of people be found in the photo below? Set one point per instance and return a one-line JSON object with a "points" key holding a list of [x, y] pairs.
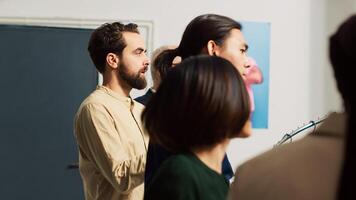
{"points": [[171, 143]]}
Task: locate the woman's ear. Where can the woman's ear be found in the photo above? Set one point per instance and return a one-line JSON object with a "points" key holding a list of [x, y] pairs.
{"points": [[212, 48], [112, 60]]}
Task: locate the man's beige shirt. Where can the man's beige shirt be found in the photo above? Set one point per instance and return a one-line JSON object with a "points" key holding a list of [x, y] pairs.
{"points": [[112, 146]]}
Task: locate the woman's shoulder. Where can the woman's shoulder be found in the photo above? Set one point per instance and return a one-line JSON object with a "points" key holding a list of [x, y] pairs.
{"points": [[178, 169], [173, 180], [180, 163]]}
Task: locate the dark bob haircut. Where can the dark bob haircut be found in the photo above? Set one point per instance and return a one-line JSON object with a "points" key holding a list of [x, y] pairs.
{"points": [[201, 102]]}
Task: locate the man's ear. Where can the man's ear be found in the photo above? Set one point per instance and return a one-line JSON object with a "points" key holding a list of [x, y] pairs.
{"points": [[112, 60], [212, 48]]}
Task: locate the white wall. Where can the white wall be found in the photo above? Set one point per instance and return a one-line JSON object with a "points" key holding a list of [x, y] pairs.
{"points": [[301, 85]]}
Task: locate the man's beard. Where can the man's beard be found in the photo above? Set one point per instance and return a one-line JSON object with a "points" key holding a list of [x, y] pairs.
{"points": [[133, 80]]}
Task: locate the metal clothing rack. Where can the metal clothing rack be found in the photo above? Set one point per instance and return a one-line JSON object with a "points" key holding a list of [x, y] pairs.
{"points": [[288, 136]]}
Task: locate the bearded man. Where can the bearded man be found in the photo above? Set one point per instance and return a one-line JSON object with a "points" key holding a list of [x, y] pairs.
{"points": [[112, 144]]}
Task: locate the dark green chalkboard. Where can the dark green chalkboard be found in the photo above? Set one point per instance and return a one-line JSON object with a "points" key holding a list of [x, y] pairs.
{"points": [[45, 73]]}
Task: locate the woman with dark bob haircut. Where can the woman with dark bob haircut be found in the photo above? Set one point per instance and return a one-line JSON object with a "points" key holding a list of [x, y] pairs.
{"points": [[207, 34], [198, 108]]}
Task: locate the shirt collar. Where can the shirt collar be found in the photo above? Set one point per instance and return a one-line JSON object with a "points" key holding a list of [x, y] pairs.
{"points": [[152, 90], [125, 99]]}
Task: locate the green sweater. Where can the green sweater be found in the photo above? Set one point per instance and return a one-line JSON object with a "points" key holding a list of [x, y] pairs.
{"points": [[185, 177]]}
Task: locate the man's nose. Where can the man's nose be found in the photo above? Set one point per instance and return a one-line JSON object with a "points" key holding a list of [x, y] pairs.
{"points": [[147, 61]]}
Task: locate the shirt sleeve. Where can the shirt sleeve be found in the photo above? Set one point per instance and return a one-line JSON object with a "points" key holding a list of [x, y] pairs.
{"points": [[108, 149]]}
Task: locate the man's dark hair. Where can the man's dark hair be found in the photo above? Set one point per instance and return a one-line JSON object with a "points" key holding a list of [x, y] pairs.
{"points": [[202, 101], [197, 34], [342, 51], [108, 38]]}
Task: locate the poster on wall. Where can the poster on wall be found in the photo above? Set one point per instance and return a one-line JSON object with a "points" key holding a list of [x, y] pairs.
{"points": [[257, 35]]}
